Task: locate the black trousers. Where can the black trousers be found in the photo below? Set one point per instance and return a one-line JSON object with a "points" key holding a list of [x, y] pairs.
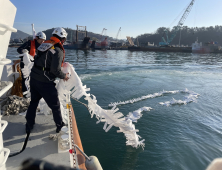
{"points": [[49, 93], [24, 88]]}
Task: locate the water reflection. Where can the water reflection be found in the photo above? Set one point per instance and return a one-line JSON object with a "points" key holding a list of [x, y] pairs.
{"points": [[130, 158]]}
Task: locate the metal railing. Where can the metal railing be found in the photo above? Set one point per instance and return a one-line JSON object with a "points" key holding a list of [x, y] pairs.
{"points": [[4, 150]]}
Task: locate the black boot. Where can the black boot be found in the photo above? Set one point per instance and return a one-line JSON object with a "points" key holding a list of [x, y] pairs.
{"points": [[59, 127]]}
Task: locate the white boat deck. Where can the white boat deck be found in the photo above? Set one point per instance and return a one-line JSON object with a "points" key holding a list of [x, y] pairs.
{"points": [[39, 145]]}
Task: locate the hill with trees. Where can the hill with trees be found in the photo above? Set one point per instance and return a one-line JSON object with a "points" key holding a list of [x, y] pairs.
{"points": [[19, 35], [188, 35]]}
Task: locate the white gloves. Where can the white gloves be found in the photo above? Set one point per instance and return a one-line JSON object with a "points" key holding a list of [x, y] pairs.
{"points": [[26, 59], [25, 51]]}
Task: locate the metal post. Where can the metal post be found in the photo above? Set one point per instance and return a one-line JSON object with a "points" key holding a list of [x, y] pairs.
{"points": [[71, 37], [76, 33], [82, 152]]}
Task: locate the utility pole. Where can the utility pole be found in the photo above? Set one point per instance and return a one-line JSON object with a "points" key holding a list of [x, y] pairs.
{"points": [[76, 33], [71, 36], [180, 37]]}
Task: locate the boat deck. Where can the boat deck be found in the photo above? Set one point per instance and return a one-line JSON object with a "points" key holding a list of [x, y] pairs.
{"points": [[39, 145]]}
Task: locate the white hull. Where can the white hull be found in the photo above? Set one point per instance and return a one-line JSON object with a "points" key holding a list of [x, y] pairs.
{"points": [[7, 16]]}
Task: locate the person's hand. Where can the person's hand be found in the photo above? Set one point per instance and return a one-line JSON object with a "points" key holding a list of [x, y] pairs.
{"points": [[67, 77]]}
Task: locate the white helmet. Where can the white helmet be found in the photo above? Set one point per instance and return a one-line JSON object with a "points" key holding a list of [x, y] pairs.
{"points": [[61, 32], [41, 35]]}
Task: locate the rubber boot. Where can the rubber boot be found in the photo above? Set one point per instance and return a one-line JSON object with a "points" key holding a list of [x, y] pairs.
{"points": [[58, 129]]}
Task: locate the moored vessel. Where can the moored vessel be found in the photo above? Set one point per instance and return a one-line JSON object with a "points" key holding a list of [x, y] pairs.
{"points": [[208, 47]]}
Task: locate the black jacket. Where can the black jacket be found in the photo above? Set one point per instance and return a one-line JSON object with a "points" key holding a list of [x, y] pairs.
{"points": [[27, 45], [47, 65]]}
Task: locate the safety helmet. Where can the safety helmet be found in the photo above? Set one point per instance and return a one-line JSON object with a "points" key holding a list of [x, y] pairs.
{"points": [[61, 32], [41, 35]]}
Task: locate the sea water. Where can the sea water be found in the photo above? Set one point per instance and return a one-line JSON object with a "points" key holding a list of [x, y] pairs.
{"points": [[177, 137]]}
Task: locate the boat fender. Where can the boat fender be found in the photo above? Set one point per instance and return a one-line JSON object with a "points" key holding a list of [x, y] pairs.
{"points": [[93, 163], [216, 164]]}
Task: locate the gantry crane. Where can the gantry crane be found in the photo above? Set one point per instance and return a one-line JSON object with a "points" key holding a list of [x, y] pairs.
{"points": [[178, 27]]}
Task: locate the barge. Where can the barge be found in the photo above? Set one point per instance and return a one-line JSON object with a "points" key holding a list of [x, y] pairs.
{"points": [[161, 49]]}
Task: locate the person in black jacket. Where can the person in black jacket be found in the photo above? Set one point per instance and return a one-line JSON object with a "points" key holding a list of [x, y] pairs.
{"points": [[47, 67], [30, 47]]}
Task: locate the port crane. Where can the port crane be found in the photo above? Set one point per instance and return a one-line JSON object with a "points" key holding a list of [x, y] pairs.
{"points": [[178, 27], [118, 33], [103, 31], [130, 40]]}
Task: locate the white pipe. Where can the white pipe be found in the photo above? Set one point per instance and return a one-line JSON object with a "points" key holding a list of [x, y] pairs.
{"points": [[5, 123], [9, 28], [7, 152]]}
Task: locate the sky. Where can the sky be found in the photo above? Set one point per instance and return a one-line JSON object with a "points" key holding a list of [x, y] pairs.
{"points": [[135, 17]]}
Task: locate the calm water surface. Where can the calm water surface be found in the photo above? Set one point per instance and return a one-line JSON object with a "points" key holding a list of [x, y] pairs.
{"points": [[179, 137]]}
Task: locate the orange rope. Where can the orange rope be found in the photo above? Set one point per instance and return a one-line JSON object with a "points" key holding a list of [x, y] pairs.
{"points": [[17, 86]]}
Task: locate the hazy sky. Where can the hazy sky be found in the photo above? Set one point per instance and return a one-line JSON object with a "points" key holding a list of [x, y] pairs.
{"points": [[135, 17]]}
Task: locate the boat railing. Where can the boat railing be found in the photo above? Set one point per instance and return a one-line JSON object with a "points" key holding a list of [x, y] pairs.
{"points": [[17, 66], [4, 87], [4, 152]]}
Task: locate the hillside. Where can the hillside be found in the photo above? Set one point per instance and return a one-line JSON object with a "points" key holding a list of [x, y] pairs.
{"points": [[81, 35], [19, 35]]}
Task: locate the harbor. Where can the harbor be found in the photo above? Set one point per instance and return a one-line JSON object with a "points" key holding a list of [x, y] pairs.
{"points": [[106, 101]]}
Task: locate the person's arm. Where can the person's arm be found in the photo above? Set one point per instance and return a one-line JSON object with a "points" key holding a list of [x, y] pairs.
{"points": [[26, 46], [57, 57]]}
